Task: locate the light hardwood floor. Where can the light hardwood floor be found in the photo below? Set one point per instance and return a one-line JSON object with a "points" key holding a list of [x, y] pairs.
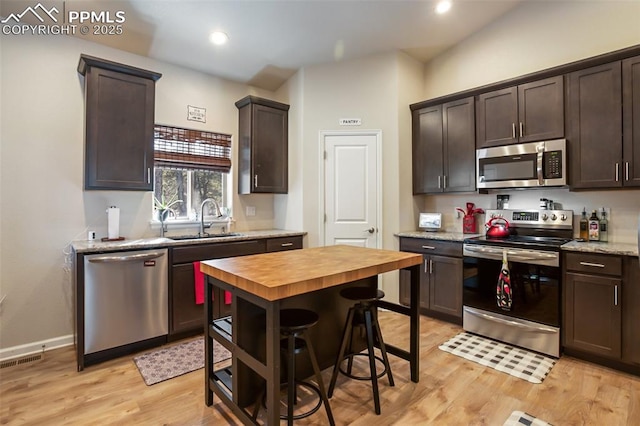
{"points": [[451, 391]]}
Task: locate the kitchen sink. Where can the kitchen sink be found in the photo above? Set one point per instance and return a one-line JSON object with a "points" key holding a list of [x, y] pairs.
{"points": [[204, 237]]}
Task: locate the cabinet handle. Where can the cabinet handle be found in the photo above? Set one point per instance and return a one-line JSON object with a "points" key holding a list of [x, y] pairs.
{"points": [[439, 182], [425, 267], [286, 244], [513, 130], [521, 129], [626, 171], [431, 266], [255, 181], [444, 178], [429, 247], [615, 295], [595, 265], [149, 174], [617, 172]]}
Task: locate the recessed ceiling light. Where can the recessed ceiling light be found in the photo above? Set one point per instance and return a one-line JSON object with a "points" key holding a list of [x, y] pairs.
{"points": [[443, 6], [218, 38]]}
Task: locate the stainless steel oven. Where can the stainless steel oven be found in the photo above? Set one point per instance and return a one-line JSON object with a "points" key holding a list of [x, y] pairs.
{"points": [[535, 164], [533, 318]]}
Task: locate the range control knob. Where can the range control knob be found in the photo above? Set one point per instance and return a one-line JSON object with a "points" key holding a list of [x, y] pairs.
{"points": [[563, 217], [544, 216], [554, 217]]}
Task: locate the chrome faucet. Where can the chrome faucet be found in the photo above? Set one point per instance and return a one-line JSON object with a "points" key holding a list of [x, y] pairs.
{"points": [[218, 214]]}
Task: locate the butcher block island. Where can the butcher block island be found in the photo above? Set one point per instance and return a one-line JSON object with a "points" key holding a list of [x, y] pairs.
{"points": [[263, 284]]}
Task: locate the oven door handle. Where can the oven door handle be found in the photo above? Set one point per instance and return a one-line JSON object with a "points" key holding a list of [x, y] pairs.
{"points": [[524, 256], [516, 255], [517, 324]]}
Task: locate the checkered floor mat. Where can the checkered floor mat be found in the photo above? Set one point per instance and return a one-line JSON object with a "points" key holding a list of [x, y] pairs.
{"points": [[520, 418], [517, 362]]}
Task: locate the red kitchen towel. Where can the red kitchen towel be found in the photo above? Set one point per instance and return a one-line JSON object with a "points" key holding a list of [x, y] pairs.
{"points": [[199, 286], [199, 283]]}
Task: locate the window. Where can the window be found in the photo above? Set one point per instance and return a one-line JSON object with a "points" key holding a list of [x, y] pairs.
{"points": [[191, 166]]}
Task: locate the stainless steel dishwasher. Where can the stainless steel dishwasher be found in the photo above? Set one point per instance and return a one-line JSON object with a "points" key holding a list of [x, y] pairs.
{"points": [[125, 298]]}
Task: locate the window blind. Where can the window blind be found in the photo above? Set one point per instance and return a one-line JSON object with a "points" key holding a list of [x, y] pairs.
{"points": [[191, 149]]}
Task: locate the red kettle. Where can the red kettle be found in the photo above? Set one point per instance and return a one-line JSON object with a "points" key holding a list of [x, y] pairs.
{"points": [[500, 230]]}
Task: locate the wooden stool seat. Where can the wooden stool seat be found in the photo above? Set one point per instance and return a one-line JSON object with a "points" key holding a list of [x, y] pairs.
{"points": [[362, 294]]}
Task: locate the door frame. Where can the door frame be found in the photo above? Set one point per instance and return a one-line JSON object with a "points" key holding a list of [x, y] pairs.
{"points": [[321, 183]]}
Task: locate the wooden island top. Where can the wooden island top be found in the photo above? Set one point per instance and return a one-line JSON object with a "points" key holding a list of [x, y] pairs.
{"points": [[278, 275]]}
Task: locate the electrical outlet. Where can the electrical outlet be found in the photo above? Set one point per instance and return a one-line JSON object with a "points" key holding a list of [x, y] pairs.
{"points": [[251, 211], [456, 213]]}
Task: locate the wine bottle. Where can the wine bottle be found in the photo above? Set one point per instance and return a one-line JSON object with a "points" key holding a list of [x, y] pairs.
{"points": [[584, 225], [594, 227], [604, 225]]}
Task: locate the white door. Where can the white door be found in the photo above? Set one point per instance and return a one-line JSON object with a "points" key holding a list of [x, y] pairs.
{"points": [[352, 196]]}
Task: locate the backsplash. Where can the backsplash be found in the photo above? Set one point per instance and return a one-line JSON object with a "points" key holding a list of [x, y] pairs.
{"points": [[623, 207]]}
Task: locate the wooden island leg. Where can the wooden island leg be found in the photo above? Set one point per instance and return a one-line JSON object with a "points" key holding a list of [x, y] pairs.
{"points": [[208, 342], [273, 363], [414, 330]]}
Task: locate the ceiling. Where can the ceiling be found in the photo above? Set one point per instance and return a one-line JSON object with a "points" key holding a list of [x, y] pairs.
{"points": [[270, 40]]}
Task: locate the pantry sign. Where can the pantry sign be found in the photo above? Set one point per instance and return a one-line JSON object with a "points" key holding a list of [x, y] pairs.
{"points": [[59, 18], [350, 121]]}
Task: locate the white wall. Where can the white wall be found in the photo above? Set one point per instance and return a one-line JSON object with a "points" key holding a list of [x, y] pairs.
{"points": [[288, 207], [533, 37], [43, 203]]}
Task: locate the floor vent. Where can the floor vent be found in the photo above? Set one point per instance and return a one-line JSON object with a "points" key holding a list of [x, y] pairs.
{"points": [[22, 360]]}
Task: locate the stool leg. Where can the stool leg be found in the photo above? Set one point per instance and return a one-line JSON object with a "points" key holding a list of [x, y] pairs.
{"points": [[349, 352], [343, 346], [372, 360], [291, 377], [383, 349], [316, 370]]}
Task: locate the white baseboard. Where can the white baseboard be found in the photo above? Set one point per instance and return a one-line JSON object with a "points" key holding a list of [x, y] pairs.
{"points": [[36, 347]]}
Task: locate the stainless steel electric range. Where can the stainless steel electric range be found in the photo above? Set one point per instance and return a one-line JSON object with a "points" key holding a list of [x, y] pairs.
{"points": [[532, 249]]}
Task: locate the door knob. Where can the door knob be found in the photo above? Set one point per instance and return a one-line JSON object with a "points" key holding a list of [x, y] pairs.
{"points": [[371, 230]]}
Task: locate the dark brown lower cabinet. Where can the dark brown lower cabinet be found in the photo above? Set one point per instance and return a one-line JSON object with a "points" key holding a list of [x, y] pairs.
{"points": [[593, 314], [185, 314], [186, 317], [601, 304], [440, 278], [631, 312]]}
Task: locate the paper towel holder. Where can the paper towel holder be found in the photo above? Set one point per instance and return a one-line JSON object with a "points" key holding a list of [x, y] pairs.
{"points": [[104, 239], [113, 225]]}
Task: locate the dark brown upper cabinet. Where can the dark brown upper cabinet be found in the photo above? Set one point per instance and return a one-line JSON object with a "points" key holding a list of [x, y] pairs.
{"points": [[631, 121], [604, 125], [119, 119], [444, 147], [263, 153], [525, 113]]}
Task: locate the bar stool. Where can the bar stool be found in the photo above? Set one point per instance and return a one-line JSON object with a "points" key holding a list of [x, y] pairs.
{"points": [[294, 324], [362, 313]]}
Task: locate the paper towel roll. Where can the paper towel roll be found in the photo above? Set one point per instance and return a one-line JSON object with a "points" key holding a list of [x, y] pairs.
{"points": [[113, 219]]}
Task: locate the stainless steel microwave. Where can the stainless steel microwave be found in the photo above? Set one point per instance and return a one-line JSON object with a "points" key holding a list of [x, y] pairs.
{"points": [[526, 165]]}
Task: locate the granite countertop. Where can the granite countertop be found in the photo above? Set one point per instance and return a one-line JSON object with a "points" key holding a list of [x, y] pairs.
{"points": [[445, 236], [624, 249], [98, 246]]}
